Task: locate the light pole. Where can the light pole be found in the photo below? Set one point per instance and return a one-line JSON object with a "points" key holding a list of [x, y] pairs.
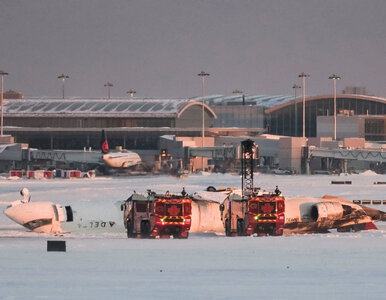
{"points": [[63, 77], [334, 78], [203, 75], [239, 92], [296, 87], [304, 76], [2, 74], [132, 93], [108, 85]]}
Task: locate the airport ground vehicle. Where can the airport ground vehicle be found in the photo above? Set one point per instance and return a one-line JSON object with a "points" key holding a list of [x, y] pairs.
{"points": [[255, 212], [154, 215], [261, 214]]}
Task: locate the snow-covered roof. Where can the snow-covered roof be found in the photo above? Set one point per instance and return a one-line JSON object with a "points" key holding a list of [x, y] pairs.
{"points": [[99, 107], [266, 101]]}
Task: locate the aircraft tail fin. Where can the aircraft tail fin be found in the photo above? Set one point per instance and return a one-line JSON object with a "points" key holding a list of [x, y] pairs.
{"points": [[104, 143], [370, 226]]}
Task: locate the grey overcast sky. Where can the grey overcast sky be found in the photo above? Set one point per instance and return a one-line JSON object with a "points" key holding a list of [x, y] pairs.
{"points": [[158, 47]]}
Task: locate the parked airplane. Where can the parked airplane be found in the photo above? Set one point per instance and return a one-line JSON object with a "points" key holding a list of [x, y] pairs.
{"points": [[119, 159], [302, 215]]}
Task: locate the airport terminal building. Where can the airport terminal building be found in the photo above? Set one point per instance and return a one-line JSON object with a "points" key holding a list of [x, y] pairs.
{"points": [[138, 123], [77, 123], [143, 124]]}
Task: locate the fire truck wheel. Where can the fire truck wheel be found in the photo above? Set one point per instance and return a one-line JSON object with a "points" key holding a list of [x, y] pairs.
{"points": [[129, 230], [277, 232], [240, 227], [145, 229], [227, 228], [183, 237]]}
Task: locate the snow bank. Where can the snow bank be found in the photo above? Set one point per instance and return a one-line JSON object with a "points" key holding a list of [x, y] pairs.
{"points": [[368, 173]]}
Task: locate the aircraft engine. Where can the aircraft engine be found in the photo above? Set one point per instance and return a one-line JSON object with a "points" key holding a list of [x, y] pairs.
{"points": [[326, 212]]}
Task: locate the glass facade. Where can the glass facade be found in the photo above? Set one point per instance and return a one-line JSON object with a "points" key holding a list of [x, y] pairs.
{"points": [[375, 129], [288, 120]]}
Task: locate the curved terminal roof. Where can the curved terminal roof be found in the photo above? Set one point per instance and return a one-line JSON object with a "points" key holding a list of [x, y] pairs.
{"points": [[101, 107], [237, 99], [322, 97]]}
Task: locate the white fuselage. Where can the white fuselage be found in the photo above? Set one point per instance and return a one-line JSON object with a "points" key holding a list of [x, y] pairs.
{"points": [[123, 159], [302, 215]]}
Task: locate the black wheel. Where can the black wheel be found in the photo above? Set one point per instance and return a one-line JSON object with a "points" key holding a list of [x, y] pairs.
{"points": [[275, 233], [129, 230], [227, 228], [145, 229], [179, 236], [240, 227]]}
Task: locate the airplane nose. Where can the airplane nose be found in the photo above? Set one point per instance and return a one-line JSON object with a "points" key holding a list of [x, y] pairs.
{"points": [[36, 216], [15, 214]]}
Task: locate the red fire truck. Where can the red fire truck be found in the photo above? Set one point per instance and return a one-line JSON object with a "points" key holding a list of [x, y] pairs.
{"points": [[154, 215], [255, 212]]}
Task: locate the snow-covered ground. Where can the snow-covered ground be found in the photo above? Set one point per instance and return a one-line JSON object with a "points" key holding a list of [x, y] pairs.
{"points": [[206, 266]]}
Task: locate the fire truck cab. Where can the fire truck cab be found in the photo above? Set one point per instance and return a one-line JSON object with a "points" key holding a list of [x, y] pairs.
{"points": [[260, 213], [154, 215], [265, 214], [255, 212]]}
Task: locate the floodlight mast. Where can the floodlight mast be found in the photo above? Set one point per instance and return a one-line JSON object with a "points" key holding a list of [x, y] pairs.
{"points": [[334, 79], [296, 87], [248, 148], [132, 93], [240, 92], [304, 76], [2, 74], [203, 74], [108, 85], [63, 77]]}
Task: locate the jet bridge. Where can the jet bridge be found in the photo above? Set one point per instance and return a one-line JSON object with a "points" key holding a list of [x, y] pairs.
{"points": [[350, 154], [67, 156], [219, 152]]}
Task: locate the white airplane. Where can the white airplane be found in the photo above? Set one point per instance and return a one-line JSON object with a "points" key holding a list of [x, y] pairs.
{"points": [[302, 215], [315, 215], [48, 217], [119, 159]]}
